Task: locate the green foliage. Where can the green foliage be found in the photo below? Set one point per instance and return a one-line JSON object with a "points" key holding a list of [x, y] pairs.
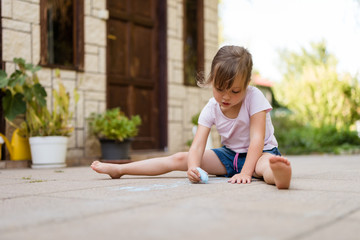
{"points": [[25, 95], [323, 104], [13, 104], [296, 138], [20, 89], [113, 124], [55, 123], [315, 92], [195, 119]]}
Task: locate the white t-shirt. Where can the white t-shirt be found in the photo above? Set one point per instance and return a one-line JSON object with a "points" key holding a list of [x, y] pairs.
{"points": [[235, 133]]}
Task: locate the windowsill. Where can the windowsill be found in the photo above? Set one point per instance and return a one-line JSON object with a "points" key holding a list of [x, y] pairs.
{"points": [[190, 85], [54, 66]]}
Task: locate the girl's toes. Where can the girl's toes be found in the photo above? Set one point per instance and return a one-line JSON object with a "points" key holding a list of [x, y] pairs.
{"points": [[275, 159]]}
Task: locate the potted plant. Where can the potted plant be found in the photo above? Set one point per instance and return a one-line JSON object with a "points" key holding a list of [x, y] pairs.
{"points": [[48, 131], [115, 132], [194, 121]]}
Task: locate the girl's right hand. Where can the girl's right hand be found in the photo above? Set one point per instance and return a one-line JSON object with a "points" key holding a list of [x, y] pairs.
{"points": [[193, 175]]}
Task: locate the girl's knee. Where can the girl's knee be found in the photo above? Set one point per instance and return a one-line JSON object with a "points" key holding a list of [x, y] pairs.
{"points": [[180, 160]]}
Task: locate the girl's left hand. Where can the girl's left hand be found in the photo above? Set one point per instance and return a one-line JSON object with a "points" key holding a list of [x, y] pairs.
{"points": [[240, 178]]}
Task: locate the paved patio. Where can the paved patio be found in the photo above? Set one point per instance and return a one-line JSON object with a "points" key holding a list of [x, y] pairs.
{"points": [[77, 203]]}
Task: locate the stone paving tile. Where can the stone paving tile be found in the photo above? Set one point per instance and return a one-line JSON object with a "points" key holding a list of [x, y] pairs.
{"points": [[34, 211], [341, 229], [77, 203], [330, 185], [177, 221], [355, 215], [180, 219], [37, 186]]}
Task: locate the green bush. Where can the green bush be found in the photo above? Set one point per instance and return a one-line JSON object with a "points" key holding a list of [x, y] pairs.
{"points": [[114, 125], [195, 119], [315, 92], [324, 104], [296, 138], [24, 94]]}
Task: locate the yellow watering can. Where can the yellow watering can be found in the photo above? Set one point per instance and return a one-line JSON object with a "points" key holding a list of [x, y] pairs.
{"points": [[19, 147]]}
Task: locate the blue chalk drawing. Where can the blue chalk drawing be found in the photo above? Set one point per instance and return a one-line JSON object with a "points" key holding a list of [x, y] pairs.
{"points": [[152, 187]]}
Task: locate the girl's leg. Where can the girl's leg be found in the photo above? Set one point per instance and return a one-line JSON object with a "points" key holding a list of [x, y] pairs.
{"points": [[275, 170], [157, 166], [212, 164], [149, 167]]}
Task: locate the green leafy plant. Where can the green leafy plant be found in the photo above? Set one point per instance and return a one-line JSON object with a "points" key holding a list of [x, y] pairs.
{"points": [[113, 124], [25, 95], [195, 119], [315, 92], [323, 105], [294, 137]]}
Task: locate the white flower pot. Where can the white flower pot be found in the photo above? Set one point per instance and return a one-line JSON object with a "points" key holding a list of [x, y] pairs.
{"points": [[48, 152]]}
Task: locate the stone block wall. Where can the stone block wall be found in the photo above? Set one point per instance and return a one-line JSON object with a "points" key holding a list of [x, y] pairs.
{"points": [[185, 101], [21, 38]]}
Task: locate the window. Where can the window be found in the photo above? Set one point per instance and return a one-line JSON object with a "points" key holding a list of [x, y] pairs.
{"points": [[193, 40], [62, 33]]}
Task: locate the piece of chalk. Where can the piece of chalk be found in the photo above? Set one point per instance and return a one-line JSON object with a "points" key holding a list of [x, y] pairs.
{"points": [[203, 175]]}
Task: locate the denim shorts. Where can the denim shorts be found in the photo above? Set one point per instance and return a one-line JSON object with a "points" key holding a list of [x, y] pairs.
{"points": [[232, 164]]}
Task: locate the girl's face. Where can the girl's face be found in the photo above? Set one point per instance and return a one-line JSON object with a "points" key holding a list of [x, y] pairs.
{"points": [[232, 97]]}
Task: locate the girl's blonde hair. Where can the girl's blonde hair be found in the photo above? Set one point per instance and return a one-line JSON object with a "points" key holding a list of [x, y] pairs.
{"points": [[229, 63]]}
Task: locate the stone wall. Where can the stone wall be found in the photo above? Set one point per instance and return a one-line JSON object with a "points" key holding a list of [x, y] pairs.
{"points": [[185, 101], [21, 38]]}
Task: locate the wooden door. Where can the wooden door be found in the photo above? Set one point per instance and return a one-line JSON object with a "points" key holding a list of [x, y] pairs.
{"points": [[133, 64]]}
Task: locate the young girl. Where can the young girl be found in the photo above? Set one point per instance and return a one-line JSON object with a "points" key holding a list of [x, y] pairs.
{"points": [[241, 115]]}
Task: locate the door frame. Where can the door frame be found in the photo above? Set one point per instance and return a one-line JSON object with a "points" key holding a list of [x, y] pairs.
{"points": [[162, 64]]}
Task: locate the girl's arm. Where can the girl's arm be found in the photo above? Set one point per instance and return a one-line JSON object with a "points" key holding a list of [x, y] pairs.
{"points": [[196, 152], [257, 136]]}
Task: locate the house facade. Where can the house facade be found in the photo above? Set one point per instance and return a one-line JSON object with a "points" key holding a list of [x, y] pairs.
{"points": [[140, 55]]}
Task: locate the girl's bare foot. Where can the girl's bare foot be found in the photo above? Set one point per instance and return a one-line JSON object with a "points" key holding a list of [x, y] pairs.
{"points": [[282, 171], [112, 170]]}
